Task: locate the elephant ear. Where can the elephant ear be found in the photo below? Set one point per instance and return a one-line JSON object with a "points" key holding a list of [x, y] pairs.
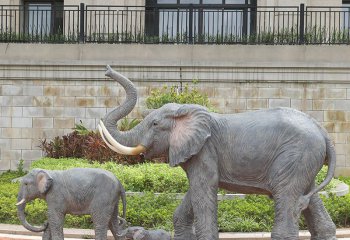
{"points": [[44, 181], [191, 130]]}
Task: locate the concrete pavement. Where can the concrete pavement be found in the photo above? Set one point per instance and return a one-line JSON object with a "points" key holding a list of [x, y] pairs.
{"points": [[18, 232]]}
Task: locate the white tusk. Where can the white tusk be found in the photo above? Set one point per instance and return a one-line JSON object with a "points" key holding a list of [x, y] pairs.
{"points": [[119, 148], [21, 202], [106, 142]]}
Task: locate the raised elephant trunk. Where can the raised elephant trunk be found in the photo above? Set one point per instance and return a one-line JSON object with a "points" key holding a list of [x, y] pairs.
{"points": [[21, 205], [116, 140]]}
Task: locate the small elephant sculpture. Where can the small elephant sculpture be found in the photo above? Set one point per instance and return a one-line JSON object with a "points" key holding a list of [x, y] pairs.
{"points": [[139, 233], [76, 191], [277, 152]]}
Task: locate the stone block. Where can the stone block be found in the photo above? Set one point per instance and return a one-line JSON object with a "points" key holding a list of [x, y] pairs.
{"points": [[32, 133], [42, 122], [341, 160], [63, 101], [335, 93], [5, 164], [279, 103], [339, 137], [336, 116], [12, 111], [108, 102], [31, 154], [74, 112], [301, 104], [10, 154], [53, 112], [23, 101], [84, 102], [5, 122], [342, 127], [54, 90], [269, 92], [42, 101], [12, 90], [259, 103], [323, 105], [33, 90], [22, 122], [74, 91], [225, 93], [18, 144], [33, 112], [5, 143], [95, 112], [11, 132], [341, 148], [235, 105], [247, 92], [63, 123], [6, 101], [293, 93]]}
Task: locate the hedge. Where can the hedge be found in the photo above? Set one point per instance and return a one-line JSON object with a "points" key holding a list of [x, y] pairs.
{"points": [[253, 213]]}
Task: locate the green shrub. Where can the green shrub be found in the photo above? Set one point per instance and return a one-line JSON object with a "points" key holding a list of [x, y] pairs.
{"points": [[136, 178], [159, 97]]}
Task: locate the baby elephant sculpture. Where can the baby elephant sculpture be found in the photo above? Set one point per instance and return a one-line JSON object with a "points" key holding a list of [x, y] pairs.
{"points": [[76, 191], [139, 233]]}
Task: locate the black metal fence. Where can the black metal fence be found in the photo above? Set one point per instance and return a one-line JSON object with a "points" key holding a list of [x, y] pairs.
{"points": [[182, 24]]}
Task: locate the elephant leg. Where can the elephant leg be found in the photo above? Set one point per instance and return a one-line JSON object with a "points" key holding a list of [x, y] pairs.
{"points": [[183, 220], [101, 221], [318, 220], [203, 177], [47, 234], [286, 224], [56, 221], [114, 224]]}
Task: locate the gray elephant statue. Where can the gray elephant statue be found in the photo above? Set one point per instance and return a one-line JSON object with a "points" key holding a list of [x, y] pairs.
{"points": [[76, 191], [139, 233], [276, 152]]}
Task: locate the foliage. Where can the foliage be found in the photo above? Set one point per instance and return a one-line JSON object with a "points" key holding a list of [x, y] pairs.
{"points": [[82, 143], [126, 124], [190, 95]]}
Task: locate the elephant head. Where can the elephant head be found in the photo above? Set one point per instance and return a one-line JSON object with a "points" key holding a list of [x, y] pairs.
{"points": [[34, 185], [176, 130]]}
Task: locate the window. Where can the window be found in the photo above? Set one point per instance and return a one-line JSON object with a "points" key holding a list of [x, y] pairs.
{"points": [[43, 18], [346, 15], [199, 20]]}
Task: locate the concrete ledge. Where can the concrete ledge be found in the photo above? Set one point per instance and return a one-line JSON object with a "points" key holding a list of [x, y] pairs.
{"points": [[18, 232]]}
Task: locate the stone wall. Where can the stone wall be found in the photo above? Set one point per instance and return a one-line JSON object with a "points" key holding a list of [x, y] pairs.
{"points": [[46, 89]]}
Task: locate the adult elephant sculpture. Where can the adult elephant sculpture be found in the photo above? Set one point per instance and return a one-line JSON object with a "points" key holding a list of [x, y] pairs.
{"points": [[277, 152], [75, 191]]}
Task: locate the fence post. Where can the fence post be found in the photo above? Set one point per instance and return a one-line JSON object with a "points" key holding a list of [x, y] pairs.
{"points": [[190, 24], [302, 24], [82, 23]]}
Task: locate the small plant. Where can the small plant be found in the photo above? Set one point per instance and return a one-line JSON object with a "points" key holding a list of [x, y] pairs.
{"points": [[20, 167], [190, 95], [126, 124]]}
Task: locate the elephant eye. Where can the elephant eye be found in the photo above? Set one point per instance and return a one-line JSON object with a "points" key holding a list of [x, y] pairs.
{"points": [[155, 123]]}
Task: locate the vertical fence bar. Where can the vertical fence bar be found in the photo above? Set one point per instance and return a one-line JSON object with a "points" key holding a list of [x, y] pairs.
{"points": [[302, 24], [190, 24], [82, 23]]}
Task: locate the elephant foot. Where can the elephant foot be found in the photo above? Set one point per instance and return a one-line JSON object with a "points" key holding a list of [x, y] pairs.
{"points": [[185, 237]]}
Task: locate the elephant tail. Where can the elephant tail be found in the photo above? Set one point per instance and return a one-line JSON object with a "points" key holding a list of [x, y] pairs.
{"points": [[330, 160]]}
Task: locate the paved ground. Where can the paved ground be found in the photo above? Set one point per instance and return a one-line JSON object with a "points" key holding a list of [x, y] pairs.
{"points": [[16, 232]]}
